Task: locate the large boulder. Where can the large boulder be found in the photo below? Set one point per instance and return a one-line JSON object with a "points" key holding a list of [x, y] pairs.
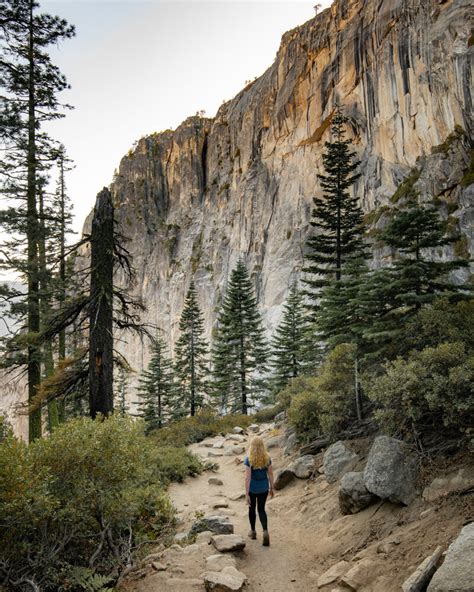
{"points": [[215, 524], [338, 459], [391, 471], [227, 580], [228, 542], [283, 477], [303, 466], [456, 573], [353, 494], [273, 442], [291, 444]]}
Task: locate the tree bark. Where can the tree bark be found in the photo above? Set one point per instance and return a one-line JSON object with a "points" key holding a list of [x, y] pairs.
{"points": [[101, 312]]}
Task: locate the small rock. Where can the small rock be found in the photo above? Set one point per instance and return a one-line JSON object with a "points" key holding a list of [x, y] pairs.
{"points": [[219, 444], [218, 562], [214, 454], [303, 466], [391, 471], [222, 503], [254, 428], [215, 524], [283, 477], [338, 459], [215, 481], [228, 542], [237, 496], [459, 481], [423, 573], [353, 494], [361, 574], [456, 571], [333, 573], [231, 450], [238, 430], [227, 580], [176, 569], [180, 537], [204, 537], [274, 442], [158, 566], [190, 549]]}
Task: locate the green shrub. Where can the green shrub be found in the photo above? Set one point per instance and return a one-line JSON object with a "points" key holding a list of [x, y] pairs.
{"points": [[190, 430], [295, 387], [304, 415], [267, 414], [74, 505], [430, 390]]}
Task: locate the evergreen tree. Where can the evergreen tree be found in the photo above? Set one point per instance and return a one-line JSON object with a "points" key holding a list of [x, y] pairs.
{"points": [[121, 389], [290, 342], [239, 350], [30, 84], [337, 218], [191, 365], [157, 388]]}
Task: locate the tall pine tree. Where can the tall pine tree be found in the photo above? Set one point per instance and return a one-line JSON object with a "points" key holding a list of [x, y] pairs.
{"points": [[30, 84], [190, 357], [240, 354], [290, 342], [157, 388], [337, 218]]}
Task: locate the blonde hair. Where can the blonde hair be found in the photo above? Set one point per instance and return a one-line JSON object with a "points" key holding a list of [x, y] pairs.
{"points": [[258, 455]]}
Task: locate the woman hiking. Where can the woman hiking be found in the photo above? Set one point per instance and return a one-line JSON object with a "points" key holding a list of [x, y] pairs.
{"points": [[258, 484]]}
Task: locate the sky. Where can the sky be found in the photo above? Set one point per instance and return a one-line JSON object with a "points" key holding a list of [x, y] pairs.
{"points": [[140, 67]]}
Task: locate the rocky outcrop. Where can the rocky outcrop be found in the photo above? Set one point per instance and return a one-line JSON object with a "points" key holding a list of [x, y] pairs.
{"points": [[391, 471], [241, 184]]}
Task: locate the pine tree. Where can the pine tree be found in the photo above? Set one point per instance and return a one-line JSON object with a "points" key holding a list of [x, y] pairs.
{"points": [[157, 388], [190, 356], [337, 218], [121, 383], [30, 85], [290, 342], [239, 351]]}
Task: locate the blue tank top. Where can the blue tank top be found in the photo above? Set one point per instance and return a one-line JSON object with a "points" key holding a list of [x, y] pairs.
{"points": [[259, 478]]}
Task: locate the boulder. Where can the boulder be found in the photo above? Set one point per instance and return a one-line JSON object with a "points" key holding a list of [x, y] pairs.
{"points": [[423, 573], [254, 428], [159, 566], [204, 537], [273, 442], [237, 496], [221, 503], [180, 537], [338, 459], [353, 494], [215, 481], [391, 471], [214, 453], [228, 542], [303, 466], [238, 430], [236, 437], [460, 481], [218, 444], [291, 444], [227, 580], [333, 574], [283, 477], [456, 573], [231, 450], [215, 524], [219, 561]]}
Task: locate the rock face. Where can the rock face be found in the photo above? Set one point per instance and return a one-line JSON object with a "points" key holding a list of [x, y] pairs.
{"points": [[338, 459], [391, 471], [353, 494], [196, 199], [456, 573]]}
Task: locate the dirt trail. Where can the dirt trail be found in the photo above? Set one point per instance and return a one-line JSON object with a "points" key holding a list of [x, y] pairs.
{"points": [[308, 533]]}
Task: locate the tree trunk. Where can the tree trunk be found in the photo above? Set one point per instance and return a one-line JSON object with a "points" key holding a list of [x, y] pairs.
{"points": [[34, 355], [101, 313]]}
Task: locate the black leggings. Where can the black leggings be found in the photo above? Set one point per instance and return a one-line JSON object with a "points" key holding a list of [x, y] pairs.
{"points": [[258, 500]]}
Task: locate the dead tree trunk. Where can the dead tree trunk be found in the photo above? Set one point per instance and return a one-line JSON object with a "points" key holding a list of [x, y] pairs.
{"points": [[101, 311]]}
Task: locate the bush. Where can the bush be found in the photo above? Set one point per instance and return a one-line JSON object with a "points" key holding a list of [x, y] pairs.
{"points": [[267, 414], [75, 505], [323, 404], [190, 430], [429, 391]]}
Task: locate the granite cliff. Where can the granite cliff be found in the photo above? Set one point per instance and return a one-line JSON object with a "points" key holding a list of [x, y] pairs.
{"points": [[241, 184]]}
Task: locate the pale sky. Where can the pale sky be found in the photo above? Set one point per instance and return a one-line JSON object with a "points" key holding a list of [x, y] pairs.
{"points": [[140, 67]]}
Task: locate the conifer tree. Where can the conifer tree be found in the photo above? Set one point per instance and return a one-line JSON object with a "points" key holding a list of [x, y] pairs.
{"points": [[290, 342], [157, 388], [240, 354], [190, 357], [30, 85], [337, 218], [121, 382]]}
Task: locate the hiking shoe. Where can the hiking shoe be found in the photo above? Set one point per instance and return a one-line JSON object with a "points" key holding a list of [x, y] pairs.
{"points": [[252, 534], [266, 539]]}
